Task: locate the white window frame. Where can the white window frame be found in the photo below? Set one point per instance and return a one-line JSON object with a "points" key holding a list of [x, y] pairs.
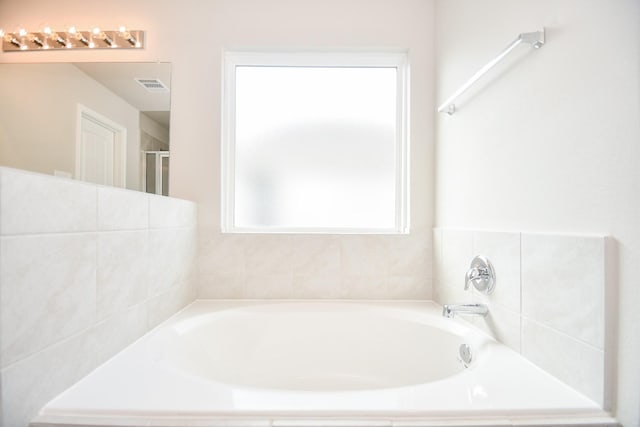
{"points": [[391, 59]]}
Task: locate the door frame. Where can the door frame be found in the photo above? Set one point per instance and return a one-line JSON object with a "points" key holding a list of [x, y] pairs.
{"points": [[119, 148], [158, 155]]}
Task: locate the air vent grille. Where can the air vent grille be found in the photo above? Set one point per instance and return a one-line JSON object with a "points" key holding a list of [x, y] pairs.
{"points": [[153, 85]]}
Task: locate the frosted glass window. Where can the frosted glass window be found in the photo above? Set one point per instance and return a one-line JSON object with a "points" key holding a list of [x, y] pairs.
{"points": [[316, 148]]}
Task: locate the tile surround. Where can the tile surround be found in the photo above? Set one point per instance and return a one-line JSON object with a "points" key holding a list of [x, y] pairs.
{"points": [[31, 382], [580, 366], [70, 206], [84, 271], [165, 212], [123, 271], [45, 296], [539, 278], [315, 256], [558, 272], [314, 266], [172, 253], [502, 249], [503, 324], [141, 271], [111, 216], [456, 252]]}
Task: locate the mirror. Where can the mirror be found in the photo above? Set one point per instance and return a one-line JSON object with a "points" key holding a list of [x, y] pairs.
{"points": [[106, 123]]}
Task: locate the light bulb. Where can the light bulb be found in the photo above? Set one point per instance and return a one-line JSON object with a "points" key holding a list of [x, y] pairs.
{"points": [[47, 31], [22, 32], [72, 30], [96, 31], [1, 33]]}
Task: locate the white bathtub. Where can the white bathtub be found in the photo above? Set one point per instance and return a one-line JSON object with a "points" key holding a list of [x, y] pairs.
{"points": [[315, 364]]}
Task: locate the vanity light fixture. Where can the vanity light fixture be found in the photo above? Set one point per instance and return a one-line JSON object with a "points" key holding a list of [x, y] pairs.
{"points": [[71, 38]]}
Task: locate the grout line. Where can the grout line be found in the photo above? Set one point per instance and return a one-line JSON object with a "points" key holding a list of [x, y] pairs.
{"points": [[1, 200], [148, 210], [520, 292], [96, 285], [120, 230], [559, 332], [72, 336]]}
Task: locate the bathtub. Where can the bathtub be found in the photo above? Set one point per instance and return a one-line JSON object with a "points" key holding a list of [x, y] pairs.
{"points": [[258, 363]]}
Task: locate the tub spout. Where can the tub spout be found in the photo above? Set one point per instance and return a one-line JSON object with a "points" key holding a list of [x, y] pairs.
{"points": [[450, 310]]}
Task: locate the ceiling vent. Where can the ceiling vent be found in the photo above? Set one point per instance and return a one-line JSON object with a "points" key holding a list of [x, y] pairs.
{"points": [[153, 85]]}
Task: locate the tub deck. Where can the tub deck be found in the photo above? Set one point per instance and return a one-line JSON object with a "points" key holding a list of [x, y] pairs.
{"points": [[142, 386]]}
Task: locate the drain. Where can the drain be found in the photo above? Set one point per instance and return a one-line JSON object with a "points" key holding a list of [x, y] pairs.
{"points": [[465, 355]]}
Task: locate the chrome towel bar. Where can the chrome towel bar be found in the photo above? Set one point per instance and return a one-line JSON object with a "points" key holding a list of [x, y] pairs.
{"points": [[536, 39]]}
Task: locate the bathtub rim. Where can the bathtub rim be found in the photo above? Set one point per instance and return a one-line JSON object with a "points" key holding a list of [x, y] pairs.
{"points": [[569, 419], [278, 418]]}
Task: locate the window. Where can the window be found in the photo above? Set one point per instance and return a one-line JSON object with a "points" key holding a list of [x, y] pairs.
{"points": [[315, 142]]}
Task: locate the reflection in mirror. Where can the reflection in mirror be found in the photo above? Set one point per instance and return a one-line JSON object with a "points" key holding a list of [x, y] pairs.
{"points": [[90, 121]]}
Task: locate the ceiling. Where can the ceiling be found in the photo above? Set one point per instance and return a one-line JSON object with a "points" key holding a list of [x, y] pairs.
{"points": [[119, 77]]}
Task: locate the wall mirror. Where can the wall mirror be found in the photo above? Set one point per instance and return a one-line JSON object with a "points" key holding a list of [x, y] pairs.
{"points": [[106, 123]]}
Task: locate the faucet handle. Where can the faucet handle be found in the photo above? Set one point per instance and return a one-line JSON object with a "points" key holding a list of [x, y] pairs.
{"points": [[468, 277], [481, 274]]}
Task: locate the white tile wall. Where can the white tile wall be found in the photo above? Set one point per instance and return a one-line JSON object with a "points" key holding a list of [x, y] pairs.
{"points": [[315, 256], [549, 301], [69, 205], [364, 256], [123, 271], [48, 290], [501, 249], [111, 216], [503, 321], [571, 360], [502, 324], [560, 273], [84, 271], [314, 266], [172, 253], [457, 251], [31, 382], [169, 212]]}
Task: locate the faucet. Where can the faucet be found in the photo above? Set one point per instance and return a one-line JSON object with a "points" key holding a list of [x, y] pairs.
{"points": [[483, 278], [450, 310]]}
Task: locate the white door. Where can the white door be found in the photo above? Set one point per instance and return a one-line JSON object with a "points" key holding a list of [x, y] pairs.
{"points": [[97, 144], [101, 149]]}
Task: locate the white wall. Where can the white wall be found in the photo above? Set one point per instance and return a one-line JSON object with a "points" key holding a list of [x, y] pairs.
{"points": [[192, 35], [38, 117], [549, 141]]}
